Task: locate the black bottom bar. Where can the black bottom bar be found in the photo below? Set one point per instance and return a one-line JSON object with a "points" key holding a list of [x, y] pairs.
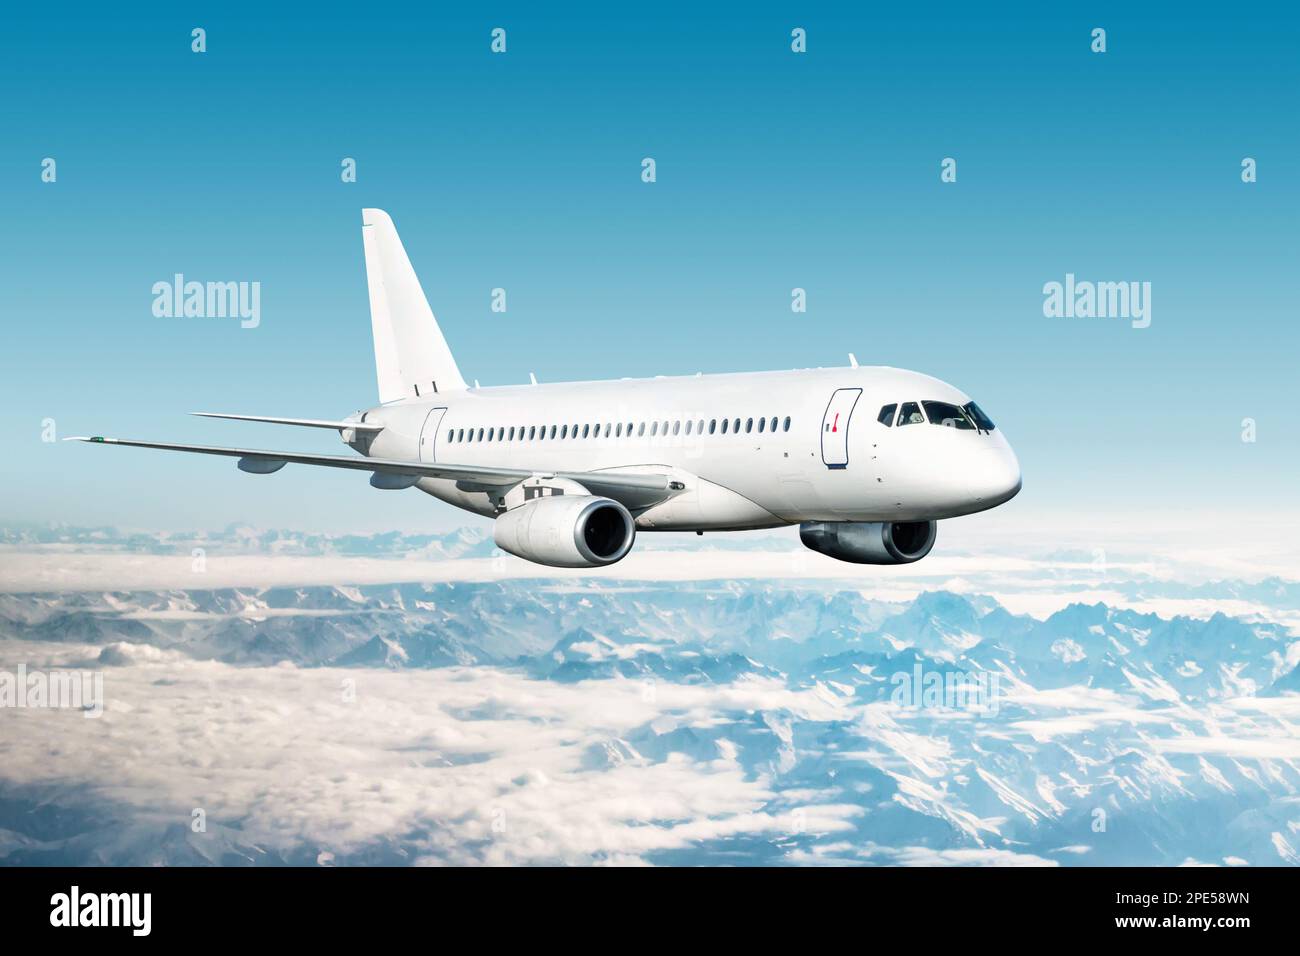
{"points": [[337, 905]]}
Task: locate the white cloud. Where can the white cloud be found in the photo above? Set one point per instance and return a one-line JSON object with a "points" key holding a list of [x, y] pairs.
{"points": [[924, 856], [486, 764]]}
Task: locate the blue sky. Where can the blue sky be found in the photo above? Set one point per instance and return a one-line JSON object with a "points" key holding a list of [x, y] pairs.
{"points": [[775, 170]]}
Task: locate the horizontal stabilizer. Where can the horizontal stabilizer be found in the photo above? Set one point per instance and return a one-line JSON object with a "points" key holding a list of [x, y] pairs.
{"points": [[302, 422]]}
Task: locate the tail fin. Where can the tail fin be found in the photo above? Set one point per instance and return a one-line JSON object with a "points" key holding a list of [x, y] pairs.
{"points": [[411, 356]]}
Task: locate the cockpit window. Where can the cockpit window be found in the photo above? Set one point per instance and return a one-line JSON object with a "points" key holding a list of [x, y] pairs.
{"points": [[982, 421], [886, 416], [941, 413], [910, 414]]}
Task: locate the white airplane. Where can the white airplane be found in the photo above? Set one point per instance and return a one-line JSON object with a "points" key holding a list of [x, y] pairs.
{"points": [[864, 460]]}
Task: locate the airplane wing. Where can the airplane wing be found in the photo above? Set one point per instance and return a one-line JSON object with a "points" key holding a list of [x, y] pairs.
{"points": [[632, 490]]}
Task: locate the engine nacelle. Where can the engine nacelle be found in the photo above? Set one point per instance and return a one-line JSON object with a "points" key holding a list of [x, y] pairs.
{"points": [[567, 531], [870, 542]]}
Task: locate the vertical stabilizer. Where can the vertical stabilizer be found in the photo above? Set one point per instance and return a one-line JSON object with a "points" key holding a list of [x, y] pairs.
{"points": [[411, 356]]}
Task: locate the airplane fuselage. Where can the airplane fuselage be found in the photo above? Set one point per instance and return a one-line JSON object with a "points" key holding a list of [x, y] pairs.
{"points": [[753, 450]]}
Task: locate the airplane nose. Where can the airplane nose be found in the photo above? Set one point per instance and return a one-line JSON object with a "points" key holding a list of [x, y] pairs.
{"points": [[997, 476], [1012, 478]]}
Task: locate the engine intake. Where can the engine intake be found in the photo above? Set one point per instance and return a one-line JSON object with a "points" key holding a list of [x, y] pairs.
{"points": [[871, 542], [567, 531]]}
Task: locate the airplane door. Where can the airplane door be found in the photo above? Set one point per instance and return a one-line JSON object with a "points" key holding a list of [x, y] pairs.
{"points": [[835, 427], [429, 433]]}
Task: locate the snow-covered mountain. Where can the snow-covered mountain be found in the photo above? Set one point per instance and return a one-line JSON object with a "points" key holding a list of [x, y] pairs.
{"points": [[738, 721]]}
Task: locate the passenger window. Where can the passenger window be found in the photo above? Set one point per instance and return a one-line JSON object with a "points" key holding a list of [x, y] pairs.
{"points": [[941, 413], [725, 423], [886, 416], [713, 425], [688, 426], [786, 426], [677, 427], [762, 424], [910, 414]]}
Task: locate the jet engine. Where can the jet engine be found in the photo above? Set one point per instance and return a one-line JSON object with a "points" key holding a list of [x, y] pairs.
{"points": [[567, 531], [870, 542]]}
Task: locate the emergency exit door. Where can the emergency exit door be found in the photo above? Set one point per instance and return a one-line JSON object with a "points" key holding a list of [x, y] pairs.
{"points": [[835, 427]]}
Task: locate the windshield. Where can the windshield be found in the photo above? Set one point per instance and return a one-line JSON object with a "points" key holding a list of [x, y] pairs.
{"points": [[982, 421], [941, 413], [910, 414]]}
